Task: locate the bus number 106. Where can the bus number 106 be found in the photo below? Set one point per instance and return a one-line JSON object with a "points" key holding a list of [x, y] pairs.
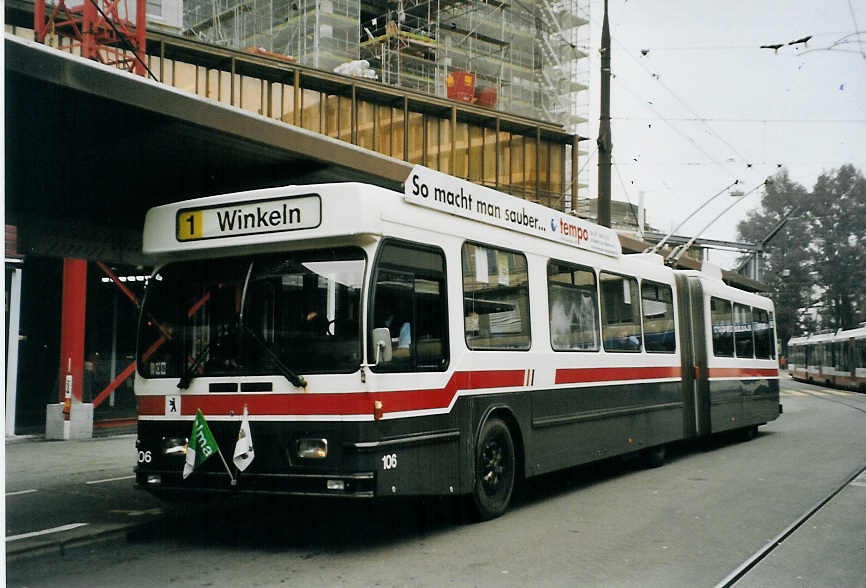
{"points": [[389, 462]]}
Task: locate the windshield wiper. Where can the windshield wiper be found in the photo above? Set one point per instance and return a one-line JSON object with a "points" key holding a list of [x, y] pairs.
{"points": [[295, 379], [189, 372], [285, 371]]}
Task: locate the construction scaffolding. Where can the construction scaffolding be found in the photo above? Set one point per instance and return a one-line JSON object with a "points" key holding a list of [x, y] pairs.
{"points": [[525, 57], [318, 33]]}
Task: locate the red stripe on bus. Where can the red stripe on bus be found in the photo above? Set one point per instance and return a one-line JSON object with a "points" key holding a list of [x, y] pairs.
{"points": [[579, 375], [151, 405], [743, 373], [348, 403]]}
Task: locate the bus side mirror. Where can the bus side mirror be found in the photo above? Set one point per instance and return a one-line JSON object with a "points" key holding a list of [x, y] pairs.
{"points": [[382, 343]]}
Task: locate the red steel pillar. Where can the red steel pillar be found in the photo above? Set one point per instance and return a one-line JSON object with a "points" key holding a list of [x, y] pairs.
{"points": [[140, 38], [72, 326], [90, 44]]}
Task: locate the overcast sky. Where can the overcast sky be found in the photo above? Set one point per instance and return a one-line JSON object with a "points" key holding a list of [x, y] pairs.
{"points": [[803, 107]]}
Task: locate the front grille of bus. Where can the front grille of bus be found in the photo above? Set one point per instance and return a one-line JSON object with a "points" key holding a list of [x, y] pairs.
{"points": [[357, 485]]}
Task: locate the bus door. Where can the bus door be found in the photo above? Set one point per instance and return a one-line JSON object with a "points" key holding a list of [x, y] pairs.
{"points": [[699, 370], [687, 355], [419, 451]]}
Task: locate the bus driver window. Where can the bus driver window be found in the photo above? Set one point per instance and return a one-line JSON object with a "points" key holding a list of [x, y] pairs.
{"points": [[409, 300]]}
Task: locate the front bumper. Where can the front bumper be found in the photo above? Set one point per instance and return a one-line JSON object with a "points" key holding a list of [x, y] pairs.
{"points": [[353, 485]]}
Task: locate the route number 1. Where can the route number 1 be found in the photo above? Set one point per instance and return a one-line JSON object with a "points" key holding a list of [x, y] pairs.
{"points": [[189, 225]]}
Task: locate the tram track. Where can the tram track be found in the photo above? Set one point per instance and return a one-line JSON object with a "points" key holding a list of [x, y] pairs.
{"points": [[743, 569], [833, 399]]}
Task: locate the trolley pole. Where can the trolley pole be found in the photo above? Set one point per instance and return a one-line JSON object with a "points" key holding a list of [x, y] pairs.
{"points": [[605, 145]]}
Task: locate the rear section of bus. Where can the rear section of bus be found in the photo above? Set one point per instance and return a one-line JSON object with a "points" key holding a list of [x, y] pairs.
{"points": [[733, 336]]}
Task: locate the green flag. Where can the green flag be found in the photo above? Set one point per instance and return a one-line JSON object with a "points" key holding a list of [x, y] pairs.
{"points": [[201, 444]]}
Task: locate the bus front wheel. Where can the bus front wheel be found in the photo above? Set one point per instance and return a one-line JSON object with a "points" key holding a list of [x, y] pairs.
{"points": [[494, 470]]}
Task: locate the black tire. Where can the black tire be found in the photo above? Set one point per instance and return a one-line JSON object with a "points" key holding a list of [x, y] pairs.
{"points": [[654, 457], [495, 470]]}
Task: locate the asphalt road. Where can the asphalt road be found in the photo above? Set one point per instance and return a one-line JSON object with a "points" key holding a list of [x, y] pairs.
{"points": [[690, 523], [51, 484]]}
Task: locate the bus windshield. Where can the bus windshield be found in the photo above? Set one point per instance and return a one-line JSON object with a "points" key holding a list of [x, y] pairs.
{"points": [[261, 315]]}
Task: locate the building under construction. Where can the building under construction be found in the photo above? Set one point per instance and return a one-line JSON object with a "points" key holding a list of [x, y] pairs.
{"points": [[524, 57], [241, 95]]}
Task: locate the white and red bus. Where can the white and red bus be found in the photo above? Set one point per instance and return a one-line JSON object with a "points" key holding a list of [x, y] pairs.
{"points": [[450, 340], [837, 358]]}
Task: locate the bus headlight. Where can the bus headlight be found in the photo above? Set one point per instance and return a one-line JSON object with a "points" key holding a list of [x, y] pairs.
{"points": [[174, 445], [312, 448]]}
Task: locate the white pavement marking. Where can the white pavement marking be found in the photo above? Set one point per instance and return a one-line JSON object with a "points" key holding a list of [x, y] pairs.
{"points": [[60, 529], [110, 480], [793, 392], [22, 492], [860, 480]]}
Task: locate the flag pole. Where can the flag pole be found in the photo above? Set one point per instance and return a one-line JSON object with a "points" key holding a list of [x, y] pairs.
{"points": [[233, 480], [237, 469]]}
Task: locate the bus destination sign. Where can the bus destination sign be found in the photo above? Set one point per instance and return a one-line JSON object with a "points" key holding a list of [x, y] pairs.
{"points": [[249, 218], [427, 187]]}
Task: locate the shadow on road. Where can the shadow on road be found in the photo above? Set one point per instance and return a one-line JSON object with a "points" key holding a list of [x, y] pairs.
{"points": [[288, 523], [547, 486]]}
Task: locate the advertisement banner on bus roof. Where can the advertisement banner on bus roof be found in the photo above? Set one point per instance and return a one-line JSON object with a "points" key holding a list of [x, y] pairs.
{"points": [[433, 189]]}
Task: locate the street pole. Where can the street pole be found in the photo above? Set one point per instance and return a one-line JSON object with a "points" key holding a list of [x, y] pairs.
{"points": [[605, 144]]}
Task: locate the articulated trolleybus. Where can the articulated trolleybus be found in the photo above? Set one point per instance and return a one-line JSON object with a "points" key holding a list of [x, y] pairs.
{"points": [[451, 340], [836, 359]]}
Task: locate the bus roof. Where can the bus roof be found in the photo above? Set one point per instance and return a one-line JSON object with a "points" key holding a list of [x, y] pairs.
{"points": [[835, 337], [274, 215]]}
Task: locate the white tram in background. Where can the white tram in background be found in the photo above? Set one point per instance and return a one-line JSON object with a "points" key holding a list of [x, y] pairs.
{"points": [[451, 340], [837, 359]]}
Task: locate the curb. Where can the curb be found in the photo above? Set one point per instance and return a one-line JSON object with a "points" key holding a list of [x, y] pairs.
{"points": [[27, 439], [75, 539], [15, 439]]}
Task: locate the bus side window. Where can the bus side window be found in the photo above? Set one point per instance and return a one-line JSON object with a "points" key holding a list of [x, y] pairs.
{"points": [[410, 301], [657, 303], [573, 304], [763, 333], [723, 327], [772, 336], [743, 341], [860, 353], [620, 313], [846, 349], [495, 298]]}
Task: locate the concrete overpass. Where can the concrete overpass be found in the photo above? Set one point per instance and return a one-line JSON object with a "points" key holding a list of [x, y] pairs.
{"points": [[89, 149]]}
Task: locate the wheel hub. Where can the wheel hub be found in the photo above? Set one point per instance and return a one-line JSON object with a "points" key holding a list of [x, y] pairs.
{"points": [[493, 466]]}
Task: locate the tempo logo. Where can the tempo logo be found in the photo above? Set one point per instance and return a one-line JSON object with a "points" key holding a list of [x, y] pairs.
{"points": [[572, 230]]}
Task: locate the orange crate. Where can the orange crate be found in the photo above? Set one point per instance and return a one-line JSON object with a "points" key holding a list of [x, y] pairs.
{"points": [[460, 85], [486, 96]]}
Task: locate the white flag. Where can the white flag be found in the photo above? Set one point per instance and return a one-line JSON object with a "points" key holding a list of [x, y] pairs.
{"points": [[244, 452]]}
